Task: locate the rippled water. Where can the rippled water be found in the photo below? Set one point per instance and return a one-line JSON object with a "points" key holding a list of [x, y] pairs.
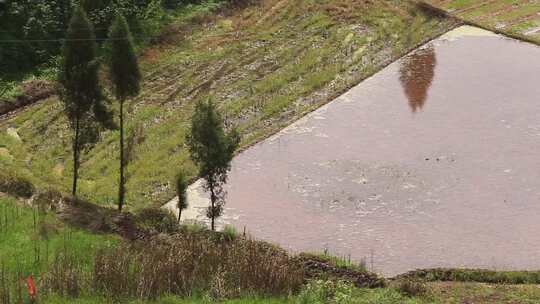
{"points": [[434, 161]]}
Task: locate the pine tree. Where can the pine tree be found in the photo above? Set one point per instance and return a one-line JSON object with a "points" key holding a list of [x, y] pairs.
{"points": [[181, 191], [125, 76], [80, 92], [212, 149]]}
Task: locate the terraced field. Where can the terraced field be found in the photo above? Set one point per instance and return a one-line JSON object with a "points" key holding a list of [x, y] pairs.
{"points": [[265, 65], [516, 17]]}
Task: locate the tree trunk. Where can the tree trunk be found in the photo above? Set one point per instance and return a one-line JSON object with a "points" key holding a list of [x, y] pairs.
{"points": [[76, 157], [179, 215], [121, 190], [213, 217], [213, 200]]}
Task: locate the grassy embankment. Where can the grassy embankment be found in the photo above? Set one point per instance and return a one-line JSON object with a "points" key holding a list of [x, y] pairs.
{"points": [[516, 18], [101, 269], [266, 65]]}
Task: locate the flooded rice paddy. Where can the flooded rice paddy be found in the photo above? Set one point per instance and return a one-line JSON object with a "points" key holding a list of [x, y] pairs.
{"points": [[432, 162]]}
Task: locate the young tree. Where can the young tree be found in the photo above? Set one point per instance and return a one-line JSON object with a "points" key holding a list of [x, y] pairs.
{"points": [[125, 76], [80, 90], [213, 151], [181, 191]]}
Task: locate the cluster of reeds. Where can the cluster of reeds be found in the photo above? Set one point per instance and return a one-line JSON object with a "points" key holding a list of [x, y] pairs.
{"points": [[16, 270], [11, 286], [64, 275], [8, 217], [187, 263]]}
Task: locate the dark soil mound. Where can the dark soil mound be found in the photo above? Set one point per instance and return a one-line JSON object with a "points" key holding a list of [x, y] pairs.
{"points": [[32, 92], [317, 267]]}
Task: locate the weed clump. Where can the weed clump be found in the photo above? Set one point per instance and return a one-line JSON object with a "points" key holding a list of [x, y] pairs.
{"points": [[230, 233]]}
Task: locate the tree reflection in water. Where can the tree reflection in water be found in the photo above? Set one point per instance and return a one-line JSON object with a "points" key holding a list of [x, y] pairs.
{"points": [[416, 75]]}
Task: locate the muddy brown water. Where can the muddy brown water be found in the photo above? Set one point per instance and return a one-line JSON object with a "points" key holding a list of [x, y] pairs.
{"points": [[433, 162]]}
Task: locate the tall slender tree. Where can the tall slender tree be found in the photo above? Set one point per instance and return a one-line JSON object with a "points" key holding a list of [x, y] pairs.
{"points": [[212, 149], [181, 191], [80, 91], [125, 76]]}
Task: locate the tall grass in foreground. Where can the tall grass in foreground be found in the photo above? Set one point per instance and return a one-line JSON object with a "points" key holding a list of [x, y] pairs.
{"points": [[187, 263], [34, 243], [71, 264]]}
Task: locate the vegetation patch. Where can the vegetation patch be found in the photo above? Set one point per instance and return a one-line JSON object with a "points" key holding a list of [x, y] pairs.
{"points": [[183, 263], [475, 275], [518, 19]]}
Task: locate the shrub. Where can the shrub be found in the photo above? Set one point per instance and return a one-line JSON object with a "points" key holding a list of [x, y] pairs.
{"points": [[160, 220]]}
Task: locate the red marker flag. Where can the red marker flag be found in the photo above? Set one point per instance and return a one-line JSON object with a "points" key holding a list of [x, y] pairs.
{"points": [[32, 291]]}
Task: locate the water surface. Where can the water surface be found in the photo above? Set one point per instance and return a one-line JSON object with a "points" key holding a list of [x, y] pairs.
{"points": [[433, 162]]}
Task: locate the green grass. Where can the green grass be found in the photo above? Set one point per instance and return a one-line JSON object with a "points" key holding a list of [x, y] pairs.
{"points": [[447, 293], [30, 239], [167, 300]]}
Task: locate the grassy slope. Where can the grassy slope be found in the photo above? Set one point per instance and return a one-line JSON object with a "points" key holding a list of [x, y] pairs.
{"points": [[19, 237], [17, 255], [266, 66], [510, 16], [30, 240]]}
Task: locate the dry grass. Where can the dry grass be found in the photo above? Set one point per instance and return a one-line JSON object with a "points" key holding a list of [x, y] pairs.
{"points": [[187, 263]]}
